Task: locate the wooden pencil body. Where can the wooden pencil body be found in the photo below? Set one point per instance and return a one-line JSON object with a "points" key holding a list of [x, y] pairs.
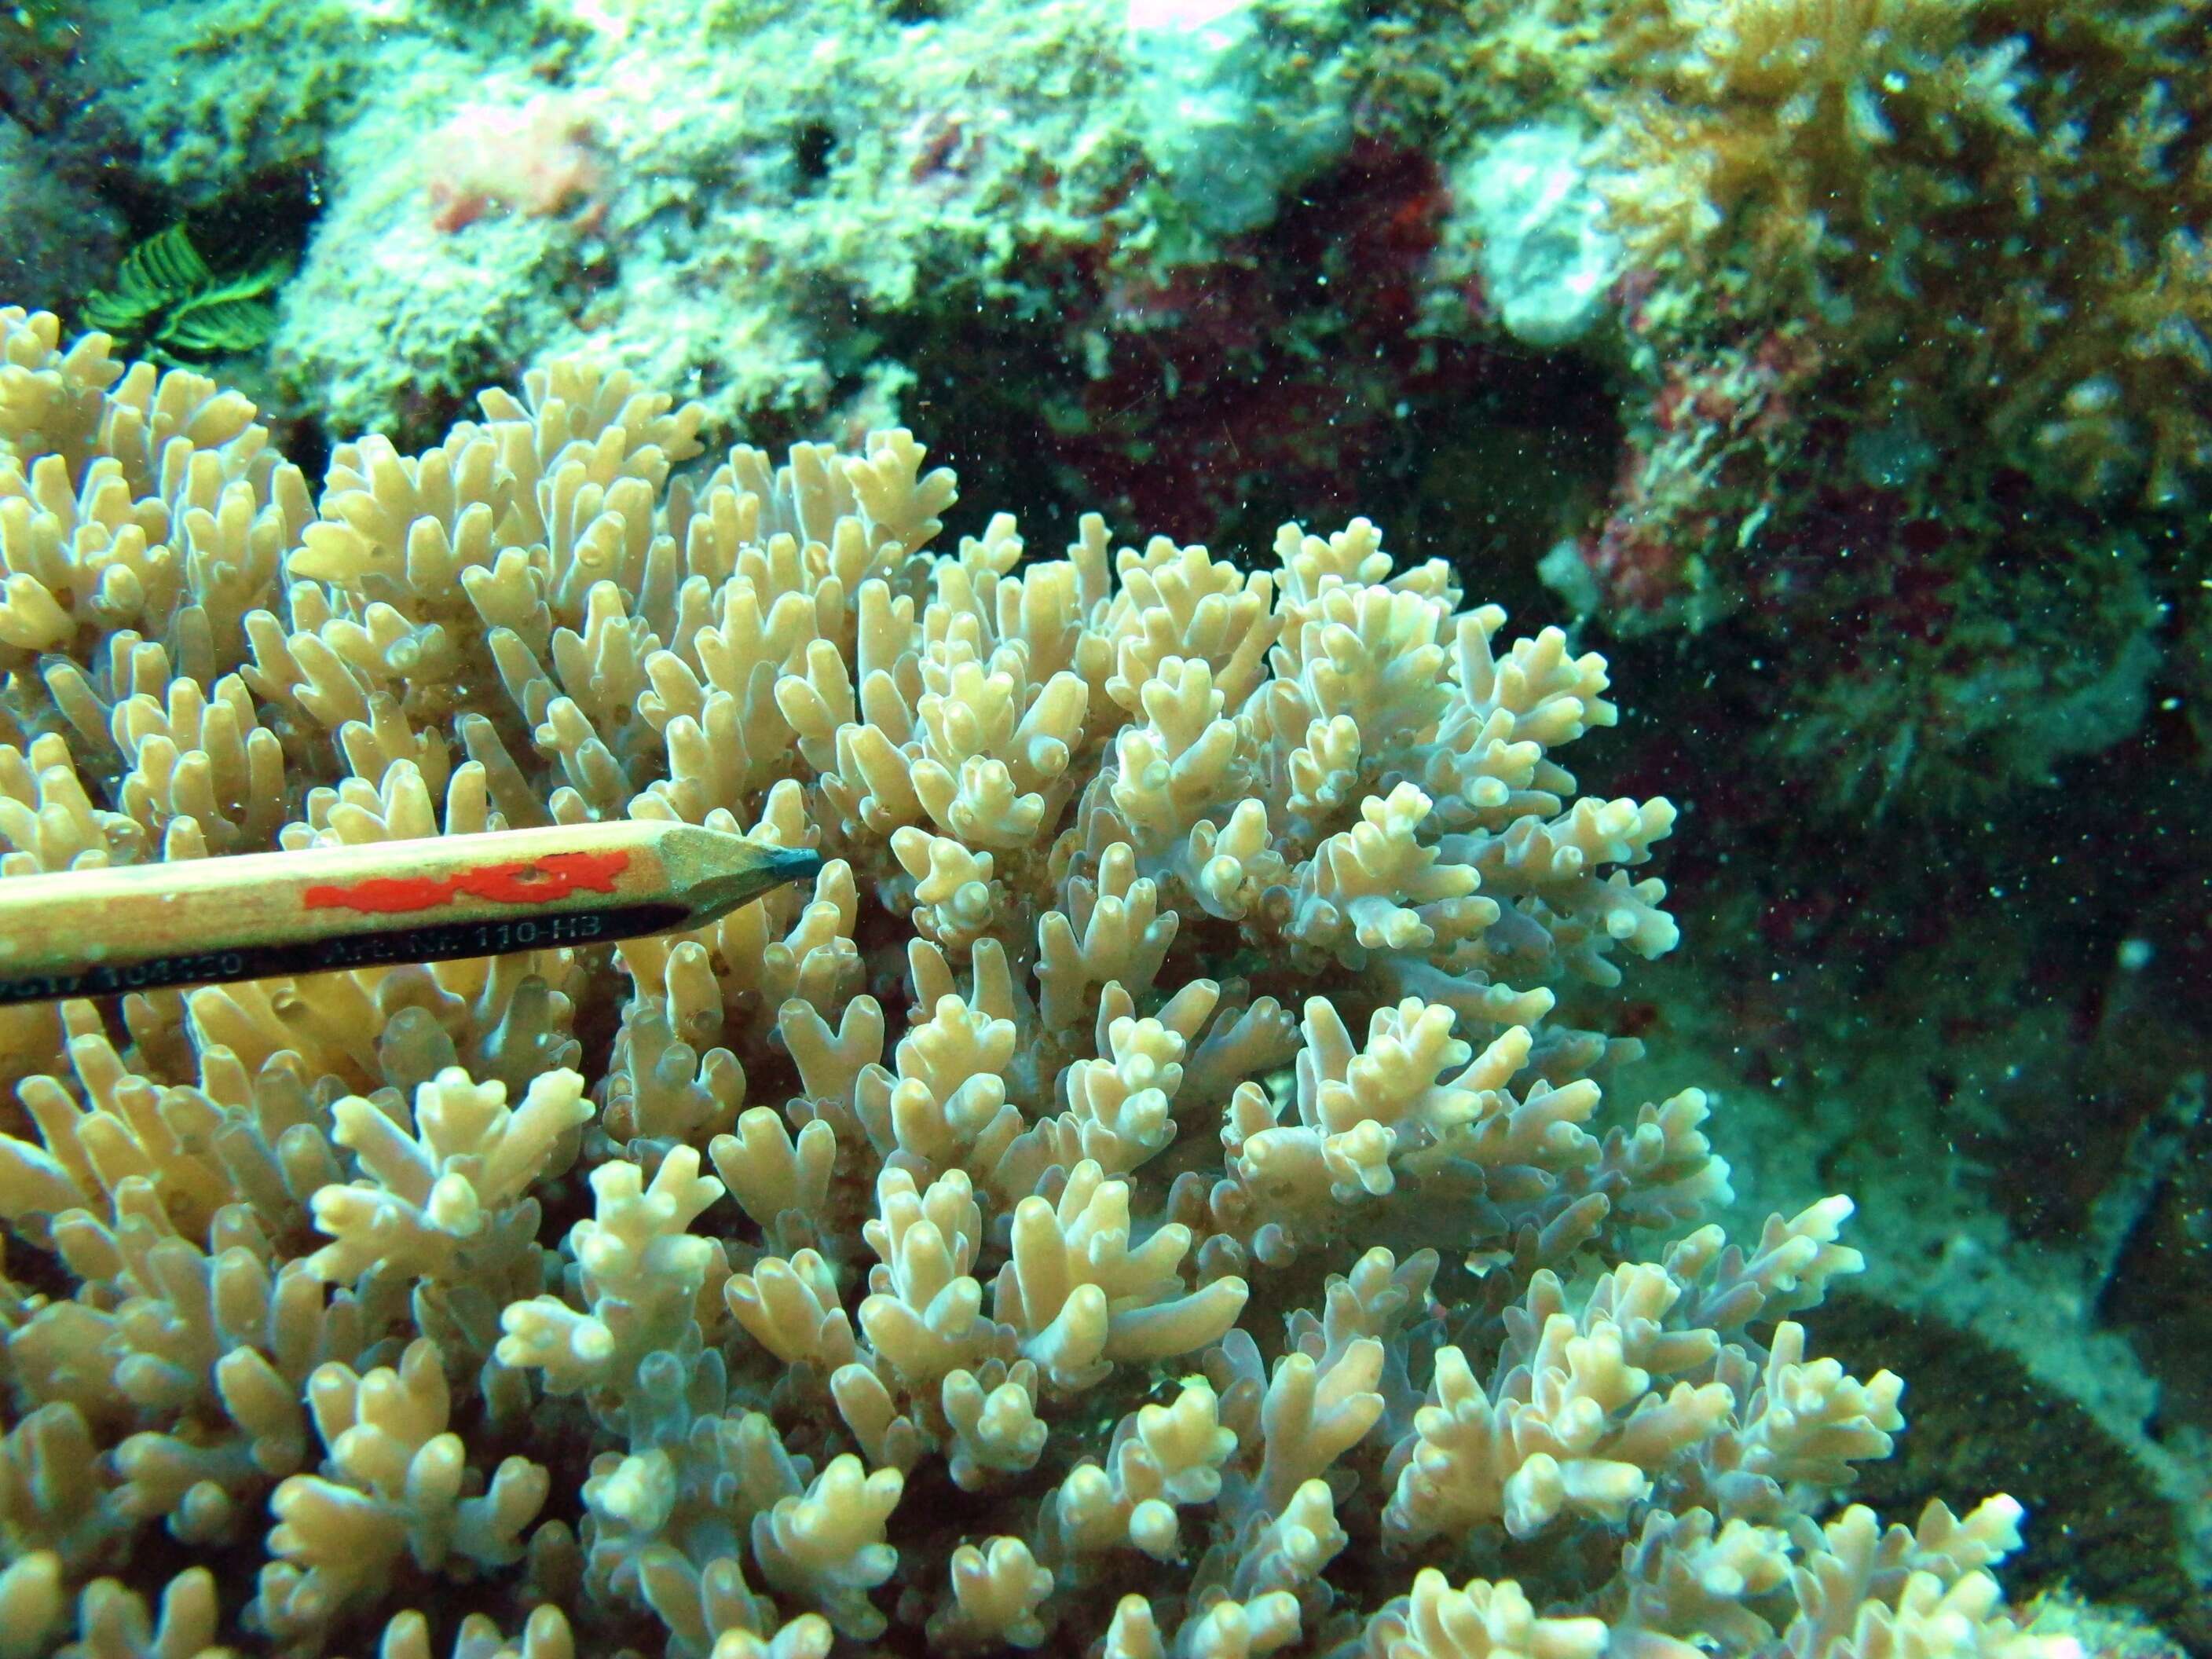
{"points": [[90, 933]]}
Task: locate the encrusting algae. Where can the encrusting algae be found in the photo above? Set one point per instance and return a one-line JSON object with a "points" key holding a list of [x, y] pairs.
{"points": [[1145, 1199]]}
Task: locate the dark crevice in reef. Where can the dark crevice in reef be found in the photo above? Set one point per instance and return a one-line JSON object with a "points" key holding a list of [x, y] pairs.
{"points": [[1978, 1422]]}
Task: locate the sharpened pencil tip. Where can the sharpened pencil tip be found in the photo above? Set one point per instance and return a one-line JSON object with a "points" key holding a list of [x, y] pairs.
{"points": [[793, 863]]}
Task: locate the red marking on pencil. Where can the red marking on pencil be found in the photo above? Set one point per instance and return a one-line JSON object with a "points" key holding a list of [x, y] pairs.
{"points": [[531, 881]]}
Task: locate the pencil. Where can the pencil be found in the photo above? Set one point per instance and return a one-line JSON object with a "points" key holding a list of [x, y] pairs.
{"points": [[202, 922]]}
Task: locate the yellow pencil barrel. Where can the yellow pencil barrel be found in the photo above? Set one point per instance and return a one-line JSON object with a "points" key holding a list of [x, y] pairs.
{"points": [[97, 931]]}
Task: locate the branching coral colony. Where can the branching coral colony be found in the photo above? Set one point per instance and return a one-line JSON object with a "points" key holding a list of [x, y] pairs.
{"points": [[1154, 1207]]}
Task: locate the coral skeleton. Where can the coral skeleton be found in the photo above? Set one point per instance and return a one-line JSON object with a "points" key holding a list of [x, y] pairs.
{"points": [[1153, 1195]]}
